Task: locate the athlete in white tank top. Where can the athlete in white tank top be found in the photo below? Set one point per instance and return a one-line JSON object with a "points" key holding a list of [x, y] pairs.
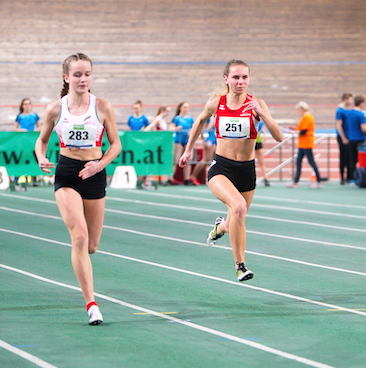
{"points": [[84, 131]]}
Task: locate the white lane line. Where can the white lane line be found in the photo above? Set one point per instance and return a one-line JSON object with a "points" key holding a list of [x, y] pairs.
{"points": [[235, 283], [195, 326], [215, 211], [297, 239], [256, 196], [303, 201], [31, 358], [248, 215], [203, 244]]}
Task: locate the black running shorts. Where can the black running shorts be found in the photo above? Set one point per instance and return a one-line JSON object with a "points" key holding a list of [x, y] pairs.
{"points": [[240, 173], [67, 172]]}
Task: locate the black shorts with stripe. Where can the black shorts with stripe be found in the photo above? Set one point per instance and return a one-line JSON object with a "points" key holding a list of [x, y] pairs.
{"points": [[67, 175], [240, 173]]}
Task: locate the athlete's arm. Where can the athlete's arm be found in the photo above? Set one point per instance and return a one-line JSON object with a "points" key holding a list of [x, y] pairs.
{"points": [[339, 125], [261, 109], [50, 117], [107, 117], [109, 122], [197, 127]]}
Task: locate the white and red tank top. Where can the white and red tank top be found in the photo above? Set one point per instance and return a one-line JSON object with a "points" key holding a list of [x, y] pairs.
{"points": [[235, 124], [84, 131]]}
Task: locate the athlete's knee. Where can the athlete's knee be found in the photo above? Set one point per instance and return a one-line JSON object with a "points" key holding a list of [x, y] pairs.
{"points": [[79, 238], [93, 246], [239, 210]]}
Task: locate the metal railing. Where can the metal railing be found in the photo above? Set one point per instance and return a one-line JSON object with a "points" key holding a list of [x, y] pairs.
{"points": [[292, 159]]}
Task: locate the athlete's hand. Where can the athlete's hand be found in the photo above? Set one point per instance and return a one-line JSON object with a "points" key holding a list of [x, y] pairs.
{"points": [[254, 105], [45, 165], [184, 159], [90, 168]]}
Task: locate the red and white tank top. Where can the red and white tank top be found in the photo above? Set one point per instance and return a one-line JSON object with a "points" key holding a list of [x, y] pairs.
{"points": [[235, 124], [84, 131]]}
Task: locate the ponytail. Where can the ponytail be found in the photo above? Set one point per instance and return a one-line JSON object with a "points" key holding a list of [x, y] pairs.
{"points": [[65, 89]]}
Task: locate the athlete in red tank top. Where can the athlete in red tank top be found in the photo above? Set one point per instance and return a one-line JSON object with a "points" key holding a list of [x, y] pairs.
{"points": [[235, 124]]}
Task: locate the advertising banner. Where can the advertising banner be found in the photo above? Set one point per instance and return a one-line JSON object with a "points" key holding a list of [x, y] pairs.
{"points": [[151, 153]]}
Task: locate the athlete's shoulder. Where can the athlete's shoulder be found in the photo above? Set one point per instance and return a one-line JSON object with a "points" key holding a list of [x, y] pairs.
{"points": [[53, 109], [102, 105], [213, 103]]}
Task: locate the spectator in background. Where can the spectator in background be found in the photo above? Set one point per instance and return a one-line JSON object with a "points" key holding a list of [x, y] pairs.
{"points": [[259, 153], [181, 125], [27, 120], [159, 122], [356, 130], [137, 121], [342, 130], [306, 129]]}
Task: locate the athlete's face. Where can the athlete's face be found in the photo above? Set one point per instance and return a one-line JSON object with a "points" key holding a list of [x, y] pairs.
{"points": [[238, 78], [80, 76]]}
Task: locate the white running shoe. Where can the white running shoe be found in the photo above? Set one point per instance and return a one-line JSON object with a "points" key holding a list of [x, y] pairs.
{"points": [[242, 273], [213, 236], [95, 317]]}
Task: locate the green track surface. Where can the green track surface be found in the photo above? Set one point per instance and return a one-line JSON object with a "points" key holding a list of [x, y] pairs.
{"points": [[168, 300]]}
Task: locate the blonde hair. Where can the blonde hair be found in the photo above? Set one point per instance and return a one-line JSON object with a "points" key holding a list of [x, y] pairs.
{"points": [[66, 69], [303, 105], [222, 88]]}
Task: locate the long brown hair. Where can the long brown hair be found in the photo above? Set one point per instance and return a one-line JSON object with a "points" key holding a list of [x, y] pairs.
{"points": [[179, 108], [223, 89], [66, 69], [21, 109]]}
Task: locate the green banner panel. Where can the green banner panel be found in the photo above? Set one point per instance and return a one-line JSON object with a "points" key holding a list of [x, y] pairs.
{"points": [[151, 153]]}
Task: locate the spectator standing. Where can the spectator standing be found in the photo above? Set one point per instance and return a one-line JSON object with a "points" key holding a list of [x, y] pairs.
{"points": [[306, 129], [209, 148], [181, 125], [342, 131], [356, 130], [137, 121], [26, 120], [159, 122]]}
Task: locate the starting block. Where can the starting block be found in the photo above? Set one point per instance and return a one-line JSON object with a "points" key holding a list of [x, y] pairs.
{"points": [[124, 177]]}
